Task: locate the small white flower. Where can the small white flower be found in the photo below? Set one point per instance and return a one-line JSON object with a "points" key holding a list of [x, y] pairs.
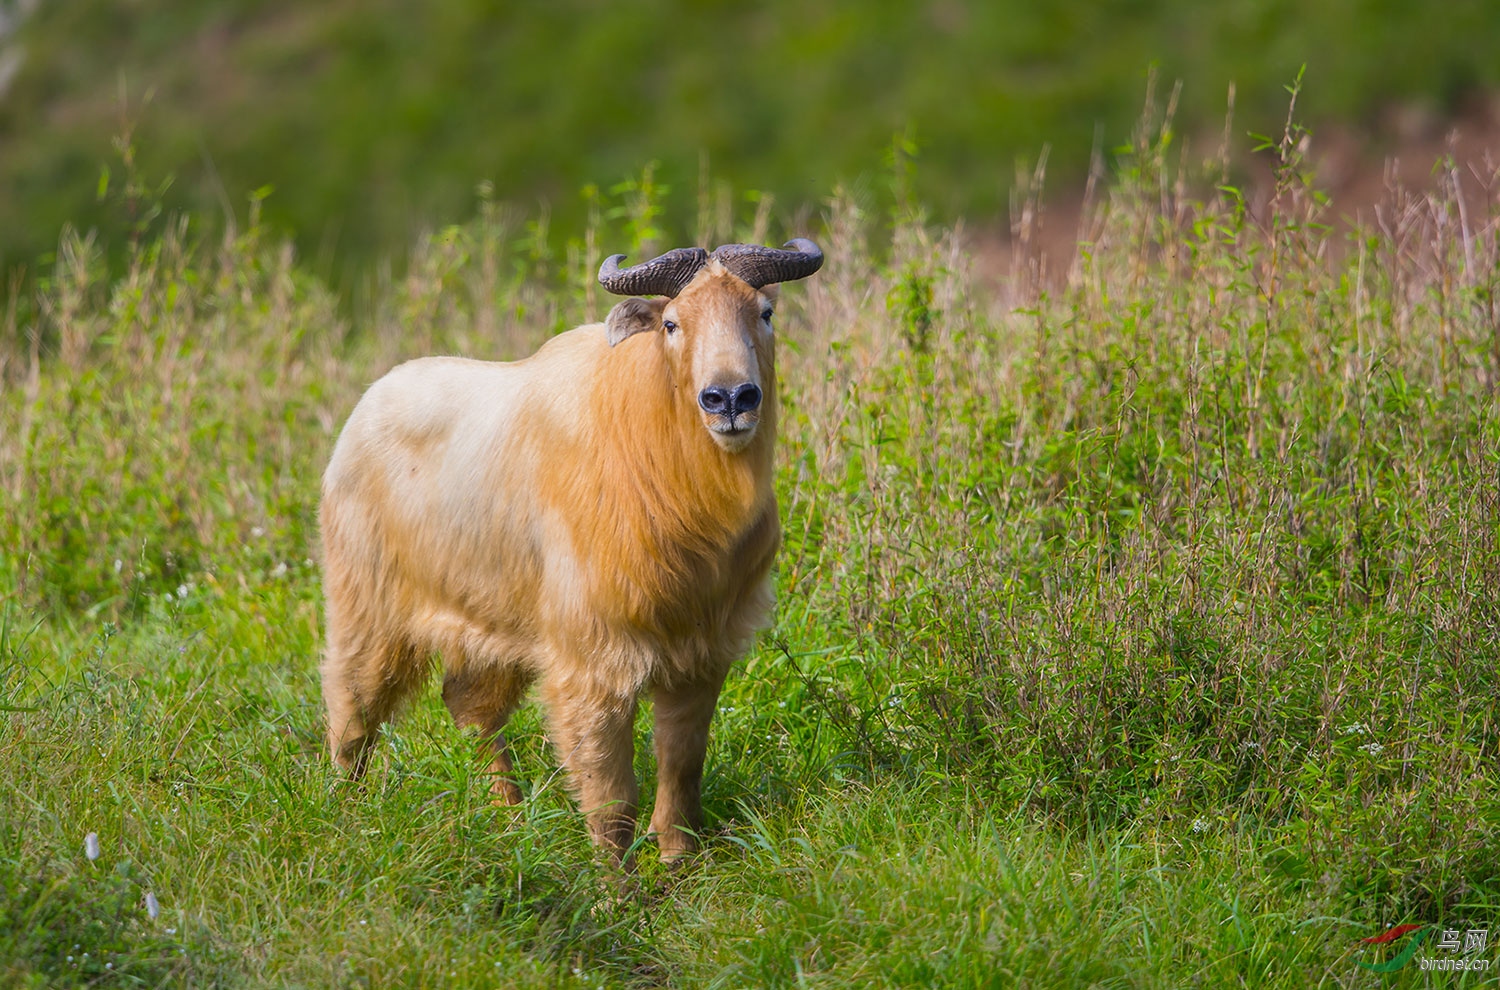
{"points": [[119, 565], [279, 571], [91, 845], [1373, 748], [153, 906], [1200, 825], [257, 531], [1354, 729], [363, 921], [182, 591]]}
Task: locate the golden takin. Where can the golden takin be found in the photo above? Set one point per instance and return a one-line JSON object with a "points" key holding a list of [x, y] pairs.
{"points": [[598, 519]]}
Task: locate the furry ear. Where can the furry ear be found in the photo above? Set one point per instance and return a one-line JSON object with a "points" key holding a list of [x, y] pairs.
{"points": [[631, 316]]}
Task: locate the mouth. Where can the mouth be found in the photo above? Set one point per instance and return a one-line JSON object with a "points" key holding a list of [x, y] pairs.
{"points": [[732, 432]]}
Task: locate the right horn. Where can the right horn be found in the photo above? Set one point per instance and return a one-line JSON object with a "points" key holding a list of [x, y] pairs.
{"points": [[761, 266], [666, 275]]}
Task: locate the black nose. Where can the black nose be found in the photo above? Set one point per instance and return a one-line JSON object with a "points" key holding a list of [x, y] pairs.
{"points": [[721, 401], [746, 398]]}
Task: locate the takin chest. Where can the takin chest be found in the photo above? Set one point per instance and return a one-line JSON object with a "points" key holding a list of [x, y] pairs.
{"points": [[671, 589]]}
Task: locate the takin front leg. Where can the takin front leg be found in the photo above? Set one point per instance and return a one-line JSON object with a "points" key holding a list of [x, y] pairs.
{"points": [[594, 735], [683, 712], [485, 698]]}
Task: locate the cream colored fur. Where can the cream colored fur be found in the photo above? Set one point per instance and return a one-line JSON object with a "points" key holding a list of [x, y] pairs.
{"points": [[570, 520]]}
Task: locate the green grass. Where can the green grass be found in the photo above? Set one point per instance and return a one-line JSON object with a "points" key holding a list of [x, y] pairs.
{"points": [[1139, 632]]}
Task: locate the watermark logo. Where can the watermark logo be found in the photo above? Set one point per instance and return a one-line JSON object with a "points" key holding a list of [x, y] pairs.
{"points": [[1388, 937], [1460, 949]]}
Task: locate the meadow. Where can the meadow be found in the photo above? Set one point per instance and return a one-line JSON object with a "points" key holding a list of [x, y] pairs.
{"points": [[1135, 628]]}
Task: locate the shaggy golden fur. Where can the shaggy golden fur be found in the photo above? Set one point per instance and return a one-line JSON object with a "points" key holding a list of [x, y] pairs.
{"points": [[571, 519]]}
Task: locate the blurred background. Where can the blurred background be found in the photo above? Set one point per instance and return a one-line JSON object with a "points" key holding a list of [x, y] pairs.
{"points": [[358, 123]]}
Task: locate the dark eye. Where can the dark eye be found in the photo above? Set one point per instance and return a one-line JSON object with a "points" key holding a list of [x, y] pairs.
{"points": [[669, 326], [767, 313]]}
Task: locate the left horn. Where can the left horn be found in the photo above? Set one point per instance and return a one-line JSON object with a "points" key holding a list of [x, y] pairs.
{"points": [[761, 266]]}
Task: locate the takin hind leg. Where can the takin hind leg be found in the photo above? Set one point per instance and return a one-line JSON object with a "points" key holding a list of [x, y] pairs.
{"points": [[363, 684], [485, 697]]}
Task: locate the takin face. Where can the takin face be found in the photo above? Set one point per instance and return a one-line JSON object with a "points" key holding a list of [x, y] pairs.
{"points": [[715, 314], [716, 334]]}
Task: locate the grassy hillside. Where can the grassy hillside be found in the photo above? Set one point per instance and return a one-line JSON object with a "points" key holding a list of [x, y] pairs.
{"points": [[372, 119], [1140, 634]]}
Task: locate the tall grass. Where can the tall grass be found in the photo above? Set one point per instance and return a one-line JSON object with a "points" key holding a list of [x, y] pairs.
{"points": [[1211, 530], [1134, 628]]}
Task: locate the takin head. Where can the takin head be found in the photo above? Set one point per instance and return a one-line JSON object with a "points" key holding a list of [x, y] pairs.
{"points": [[714, 312]]}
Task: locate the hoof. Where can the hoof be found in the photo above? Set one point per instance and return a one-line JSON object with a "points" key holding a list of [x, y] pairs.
{"points": [[505, 792]]}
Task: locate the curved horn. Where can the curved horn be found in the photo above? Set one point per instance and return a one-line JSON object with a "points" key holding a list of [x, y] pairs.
{"points": [[760, 266], [663, 276]]}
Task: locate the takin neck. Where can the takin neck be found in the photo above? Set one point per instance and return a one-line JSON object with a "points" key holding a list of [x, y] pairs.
{"points": [[684, 486], [675, 527]]}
